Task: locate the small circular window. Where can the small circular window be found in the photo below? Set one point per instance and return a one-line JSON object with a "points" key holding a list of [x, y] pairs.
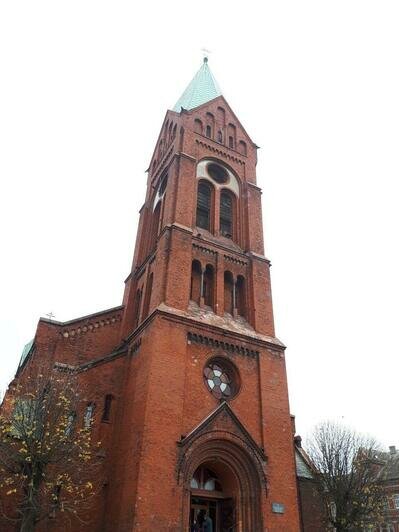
{"points": [[217, 173], [221, 379]]}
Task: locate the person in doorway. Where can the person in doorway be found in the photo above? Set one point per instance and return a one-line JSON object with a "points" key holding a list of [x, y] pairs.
{"points": [[200, 521], [195, 526], [207, 525]]}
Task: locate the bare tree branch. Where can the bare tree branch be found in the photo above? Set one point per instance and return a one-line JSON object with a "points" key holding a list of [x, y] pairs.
{"points": [[346, 464]]}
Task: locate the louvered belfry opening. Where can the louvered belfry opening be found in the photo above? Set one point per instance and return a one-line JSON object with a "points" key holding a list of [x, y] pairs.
{"points": [[226, 214], [204, 205]]}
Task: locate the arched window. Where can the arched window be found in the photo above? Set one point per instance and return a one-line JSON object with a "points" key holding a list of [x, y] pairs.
{"points": [[205, 479], [210, 119], [241, 304], [70, 423], [208, 286], [221, 115], [231, 133], [228, 293], [226, 214], [137, 308], [198, 126], [220, 136], [204, 205], [147, 298], [155, 225], [242, 147], [107, 407], [88, 417], [195, 290]]}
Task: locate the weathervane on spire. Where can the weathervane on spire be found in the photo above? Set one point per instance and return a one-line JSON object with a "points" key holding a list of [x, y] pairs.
{"points": [[205, 53]]}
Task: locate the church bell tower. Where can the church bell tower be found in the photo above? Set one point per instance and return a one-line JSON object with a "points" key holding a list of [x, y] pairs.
{"points": [[205, 423]]}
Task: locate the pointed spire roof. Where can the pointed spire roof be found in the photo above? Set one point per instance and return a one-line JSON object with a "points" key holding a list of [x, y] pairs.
{"points": [[202, 88]]}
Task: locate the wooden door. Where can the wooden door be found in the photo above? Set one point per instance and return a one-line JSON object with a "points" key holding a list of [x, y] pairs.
{"points": [[227, 515]]}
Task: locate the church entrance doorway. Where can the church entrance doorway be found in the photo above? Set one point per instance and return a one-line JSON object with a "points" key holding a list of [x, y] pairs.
{"points": [[213, 495]]}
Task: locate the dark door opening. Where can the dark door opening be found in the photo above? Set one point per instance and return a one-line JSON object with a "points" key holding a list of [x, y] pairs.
{"points": [[220, 512]]}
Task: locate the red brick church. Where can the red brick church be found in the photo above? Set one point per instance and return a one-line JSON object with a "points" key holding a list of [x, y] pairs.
{"points": [[188, 373]]}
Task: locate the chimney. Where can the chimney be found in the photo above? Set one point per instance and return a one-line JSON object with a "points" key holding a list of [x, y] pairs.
{"points": [[392, 449], [298, 441]]}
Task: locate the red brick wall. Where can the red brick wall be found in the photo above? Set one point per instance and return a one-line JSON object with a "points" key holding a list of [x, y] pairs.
{"points": [[158, 384], [313, 518]]}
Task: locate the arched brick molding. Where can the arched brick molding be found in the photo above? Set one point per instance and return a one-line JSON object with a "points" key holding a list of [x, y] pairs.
{"points": [[241, 458]]}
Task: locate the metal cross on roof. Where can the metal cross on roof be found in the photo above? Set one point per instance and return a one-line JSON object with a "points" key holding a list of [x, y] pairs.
{"points": [[206, 53], [50, 315]]}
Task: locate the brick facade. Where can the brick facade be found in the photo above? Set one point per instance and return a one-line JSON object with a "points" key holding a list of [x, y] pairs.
{"points": [[194, 295]]}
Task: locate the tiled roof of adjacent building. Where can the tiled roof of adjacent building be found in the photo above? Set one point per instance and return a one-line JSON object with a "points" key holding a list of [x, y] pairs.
{"points": [[202, 88]]}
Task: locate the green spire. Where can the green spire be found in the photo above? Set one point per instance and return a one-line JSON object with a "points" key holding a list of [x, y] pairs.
{"points": [[202, 88]]}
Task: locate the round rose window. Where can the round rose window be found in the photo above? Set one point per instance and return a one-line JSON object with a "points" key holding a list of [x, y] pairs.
{"points": [[217, 173], [220, 379]]}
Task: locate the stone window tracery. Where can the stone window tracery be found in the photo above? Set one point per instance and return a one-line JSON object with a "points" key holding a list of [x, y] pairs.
{"points": [[205, 479], [221, 379]]}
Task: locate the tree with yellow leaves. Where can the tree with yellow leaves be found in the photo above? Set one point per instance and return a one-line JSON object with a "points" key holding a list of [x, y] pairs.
{"points": [[47, 456], [346, 465]]}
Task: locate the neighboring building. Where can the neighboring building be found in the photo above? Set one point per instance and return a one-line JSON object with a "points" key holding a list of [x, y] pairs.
{"points": [[389, 476], [188, 368], [311, 506]]}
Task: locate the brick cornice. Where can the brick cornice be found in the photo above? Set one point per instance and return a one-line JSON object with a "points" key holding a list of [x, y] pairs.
{"points": [[265, 342]]}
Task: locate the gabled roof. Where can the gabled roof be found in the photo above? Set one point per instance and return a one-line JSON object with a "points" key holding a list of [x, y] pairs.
{"points": [[25, 352], [207, 424], [202, 88]]}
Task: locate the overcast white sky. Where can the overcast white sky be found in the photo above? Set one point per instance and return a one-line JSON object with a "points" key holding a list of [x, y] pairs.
{"points": [[84, 86]]}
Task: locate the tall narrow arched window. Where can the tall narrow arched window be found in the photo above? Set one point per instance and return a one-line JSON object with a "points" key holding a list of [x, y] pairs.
{"points": [[242, 147], [228, 293], [198, 128], [195, 289], [226, 214], [155, 225], [208, 288], [147, 298], [88, 416], [241, 303], [107, 408], [137, 307], [210, 128], [204, 205]]}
